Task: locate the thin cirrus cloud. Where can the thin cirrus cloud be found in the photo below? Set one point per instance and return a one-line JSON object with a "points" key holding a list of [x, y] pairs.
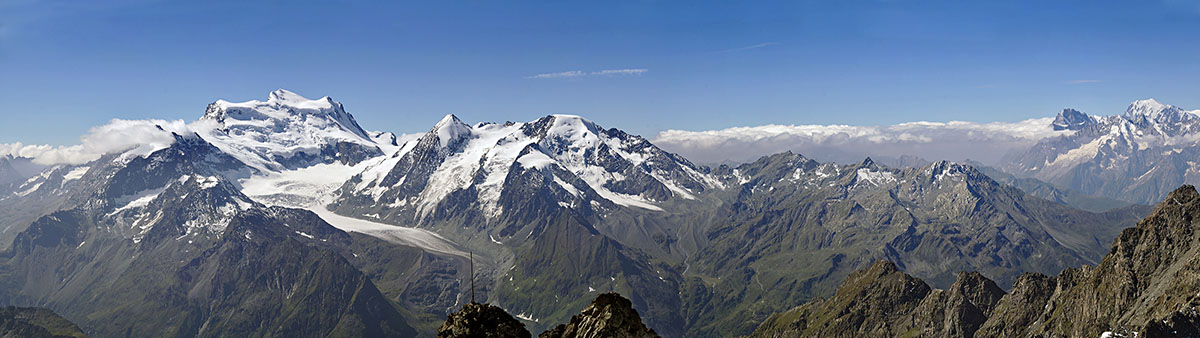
{"points": [[955, 140], [581, 74], [745, 48]]}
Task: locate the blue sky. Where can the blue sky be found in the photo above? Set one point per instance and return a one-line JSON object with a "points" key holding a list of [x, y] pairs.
{"points": [[399, 66]]}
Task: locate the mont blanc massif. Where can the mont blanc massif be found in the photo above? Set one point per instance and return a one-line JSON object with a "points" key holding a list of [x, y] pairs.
{"points": [[287, 218]]}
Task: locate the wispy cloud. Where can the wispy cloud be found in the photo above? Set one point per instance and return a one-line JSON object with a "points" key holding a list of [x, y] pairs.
{"points": [[1075, 82], [611, 72], [744, 48], [559, 75], [580, 73]]}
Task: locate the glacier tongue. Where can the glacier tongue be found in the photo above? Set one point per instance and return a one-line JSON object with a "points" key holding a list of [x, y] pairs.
{"points": [[310, 189]]}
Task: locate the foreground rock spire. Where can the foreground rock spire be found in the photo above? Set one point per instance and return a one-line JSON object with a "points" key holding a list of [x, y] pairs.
{"points": [[609, 316]]}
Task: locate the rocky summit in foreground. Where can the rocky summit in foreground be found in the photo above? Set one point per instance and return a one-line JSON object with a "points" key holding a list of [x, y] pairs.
{"points": [[482, 320], [1145, 287], [609, 315], [34, 322]]}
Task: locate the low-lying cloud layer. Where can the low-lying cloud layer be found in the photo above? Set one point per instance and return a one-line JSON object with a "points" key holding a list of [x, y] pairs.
{"points": [[955, 140], [141, 136]]}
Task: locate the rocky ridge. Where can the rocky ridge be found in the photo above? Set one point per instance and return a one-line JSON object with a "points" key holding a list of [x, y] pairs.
{"points": [[1145, 286]]}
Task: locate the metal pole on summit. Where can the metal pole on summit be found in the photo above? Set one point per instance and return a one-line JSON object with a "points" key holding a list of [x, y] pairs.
{"points": [[472, 277]]}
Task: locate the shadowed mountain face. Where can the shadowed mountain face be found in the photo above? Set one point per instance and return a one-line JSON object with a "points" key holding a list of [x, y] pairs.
{"points": [[1145, 286]]}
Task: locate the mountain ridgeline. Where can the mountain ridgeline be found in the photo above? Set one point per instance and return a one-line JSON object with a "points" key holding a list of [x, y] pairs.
{"points": [[285, 217], [1138, 156], [1144, 287]]}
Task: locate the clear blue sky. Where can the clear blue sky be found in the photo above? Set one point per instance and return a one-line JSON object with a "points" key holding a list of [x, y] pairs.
{"points": [[69, 65]]}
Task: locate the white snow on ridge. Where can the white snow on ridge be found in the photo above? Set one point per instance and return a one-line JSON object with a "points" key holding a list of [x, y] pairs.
{"points": [[75, 174], [31, 189], [491, 149], [875, 177], [536, 160], [138, 200]]}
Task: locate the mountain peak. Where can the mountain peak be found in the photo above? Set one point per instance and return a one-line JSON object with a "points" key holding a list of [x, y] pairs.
{"points": [[450, 129], [1183, 194], [1156, 111], [1071, 119], [288, 128], [482, 320], [867, 163], [609, 315], [286, 96]]}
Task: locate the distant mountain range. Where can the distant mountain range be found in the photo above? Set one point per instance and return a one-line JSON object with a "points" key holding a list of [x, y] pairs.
{"points": [[285, 217], [1138, 156]]}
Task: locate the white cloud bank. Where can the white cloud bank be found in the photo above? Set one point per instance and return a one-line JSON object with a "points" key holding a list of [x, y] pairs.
{"points": [[955, 140], [140, 136]]}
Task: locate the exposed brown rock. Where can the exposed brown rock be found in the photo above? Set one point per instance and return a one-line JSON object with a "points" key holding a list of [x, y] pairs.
{"points": [[610, 315], [480, 321]]}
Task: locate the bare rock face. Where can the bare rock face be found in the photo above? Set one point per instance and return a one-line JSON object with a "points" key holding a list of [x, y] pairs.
{"points": [[482, 320], [872, 302], [610, 315]]}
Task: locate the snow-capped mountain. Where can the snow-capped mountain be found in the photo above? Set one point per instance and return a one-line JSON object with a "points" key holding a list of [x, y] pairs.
{"points": [[289, 131], [1138, 156], [1070, 119], [551, 210], [590, 167]]}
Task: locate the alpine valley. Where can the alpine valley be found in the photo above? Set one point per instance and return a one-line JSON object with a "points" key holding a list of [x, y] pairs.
{"points": [[285, 217]]}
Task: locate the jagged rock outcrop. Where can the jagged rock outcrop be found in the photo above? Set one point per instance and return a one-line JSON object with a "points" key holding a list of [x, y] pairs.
{"points": [[1146, 286], [610, 315], [882, 301], [1148, 283], [482, 320]]}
